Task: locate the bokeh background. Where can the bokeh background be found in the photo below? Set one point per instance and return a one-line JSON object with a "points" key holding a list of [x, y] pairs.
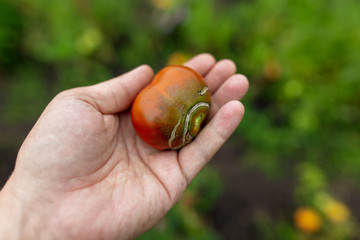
{"points": [[291, 170]]}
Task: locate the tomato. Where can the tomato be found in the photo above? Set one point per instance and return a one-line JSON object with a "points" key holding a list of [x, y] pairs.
{"points": [[170, 111]]}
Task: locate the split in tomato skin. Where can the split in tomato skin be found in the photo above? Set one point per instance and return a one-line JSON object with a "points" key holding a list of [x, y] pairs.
{"points": [[169, 112]]}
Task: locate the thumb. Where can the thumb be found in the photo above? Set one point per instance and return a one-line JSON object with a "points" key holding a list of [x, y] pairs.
{"points": [[117, 94]]}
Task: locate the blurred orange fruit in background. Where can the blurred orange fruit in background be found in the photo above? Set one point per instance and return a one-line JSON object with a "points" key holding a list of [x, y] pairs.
{"points": [[178, 58], [307, 220]]}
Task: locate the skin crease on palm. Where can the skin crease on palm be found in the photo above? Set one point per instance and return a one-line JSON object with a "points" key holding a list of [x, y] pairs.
{"points": [[83, 173]]}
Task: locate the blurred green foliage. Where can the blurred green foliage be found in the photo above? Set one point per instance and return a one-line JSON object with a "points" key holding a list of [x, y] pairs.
{"points": [[301, 57]]}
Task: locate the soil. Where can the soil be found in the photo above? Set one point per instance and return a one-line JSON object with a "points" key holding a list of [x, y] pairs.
{"points": [[246, 192], [10, 141]]}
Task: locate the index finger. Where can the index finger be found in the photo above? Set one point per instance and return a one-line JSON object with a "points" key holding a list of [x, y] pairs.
{"points": [[201, 63]]}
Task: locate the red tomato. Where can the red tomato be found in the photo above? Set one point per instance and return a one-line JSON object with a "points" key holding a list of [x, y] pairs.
{"points": [[169, 112]]}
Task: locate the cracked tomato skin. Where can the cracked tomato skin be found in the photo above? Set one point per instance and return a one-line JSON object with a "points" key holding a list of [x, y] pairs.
{"points": [[169, 112]]}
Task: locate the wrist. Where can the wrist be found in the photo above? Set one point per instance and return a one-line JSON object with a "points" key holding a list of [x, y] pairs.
{"points": [[17, 218], [10, 215]]}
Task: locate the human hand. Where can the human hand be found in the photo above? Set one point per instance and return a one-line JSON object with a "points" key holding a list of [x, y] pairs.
{"points": [[83, 173]]}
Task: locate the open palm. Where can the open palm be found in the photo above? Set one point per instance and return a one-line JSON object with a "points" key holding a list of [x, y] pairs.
{"points": [[87, 175]]}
